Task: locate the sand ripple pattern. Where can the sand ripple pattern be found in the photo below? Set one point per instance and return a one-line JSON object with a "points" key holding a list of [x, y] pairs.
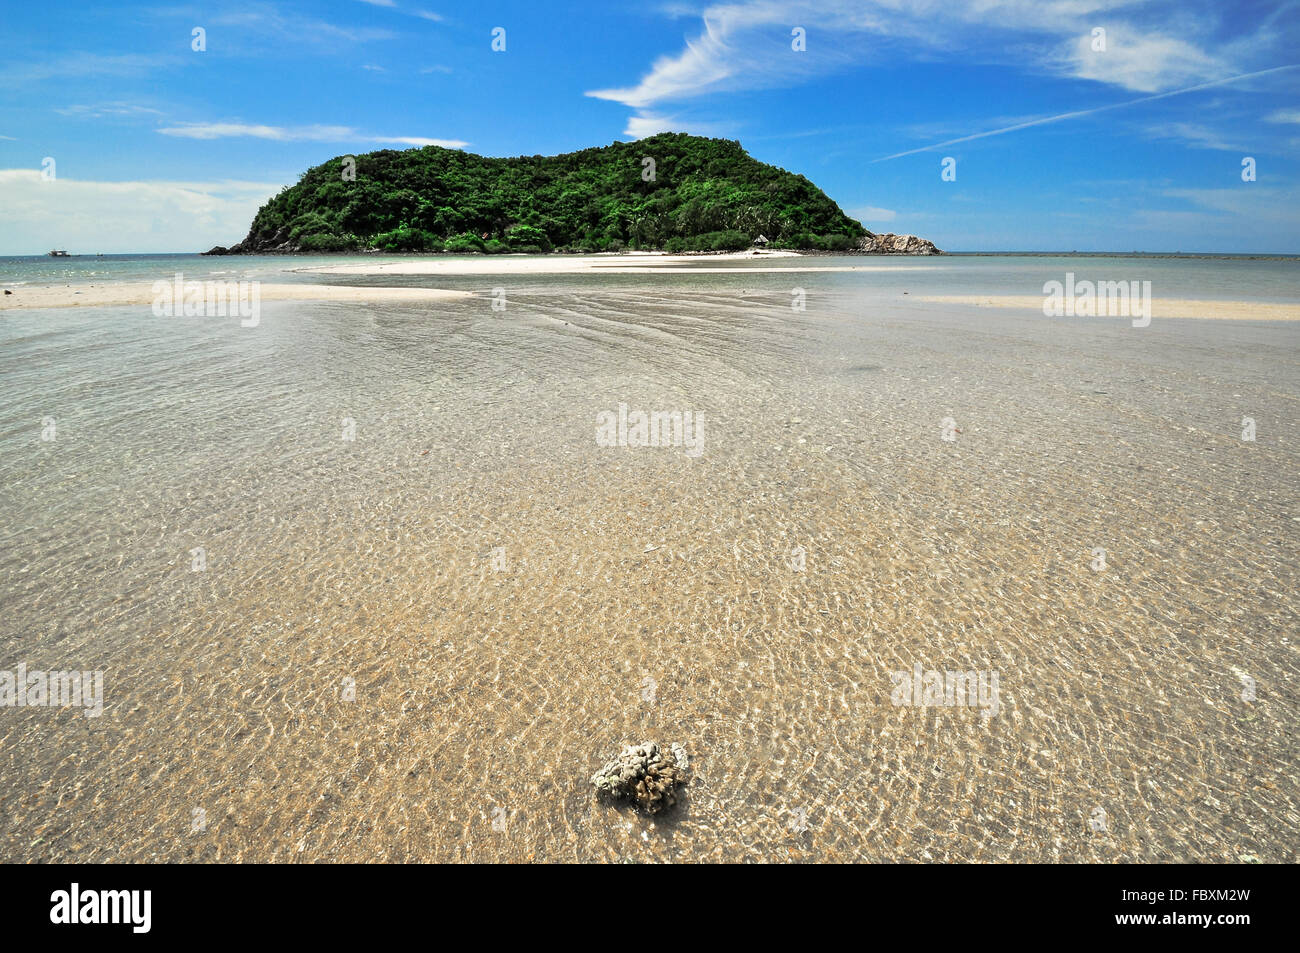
{"points": [[646, 594]]}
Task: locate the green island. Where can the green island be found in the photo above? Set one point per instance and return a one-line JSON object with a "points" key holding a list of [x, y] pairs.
{"points": [[671, 192]]}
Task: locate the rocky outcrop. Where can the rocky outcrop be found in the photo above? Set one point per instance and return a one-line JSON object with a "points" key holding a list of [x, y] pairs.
{"points": [[891, 244], [265, 245], [645, 774], [216, 250]]}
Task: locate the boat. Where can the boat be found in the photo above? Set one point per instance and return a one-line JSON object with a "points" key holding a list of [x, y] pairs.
{"points": [[58, 253]]}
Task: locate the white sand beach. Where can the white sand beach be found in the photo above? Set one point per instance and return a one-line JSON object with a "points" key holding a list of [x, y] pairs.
{"points": [[624, 264]]}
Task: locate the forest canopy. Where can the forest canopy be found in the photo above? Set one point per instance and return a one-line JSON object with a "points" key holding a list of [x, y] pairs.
{"points": [[695, 194]]}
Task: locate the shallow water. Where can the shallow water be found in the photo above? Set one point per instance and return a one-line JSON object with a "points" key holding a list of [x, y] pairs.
{"points": [[646, 594]]}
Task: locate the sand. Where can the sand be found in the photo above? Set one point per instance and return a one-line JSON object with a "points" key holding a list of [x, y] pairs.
{"points": [[633, 264], [115, 294], [112, 294], [1160, 307], [646, 595]]}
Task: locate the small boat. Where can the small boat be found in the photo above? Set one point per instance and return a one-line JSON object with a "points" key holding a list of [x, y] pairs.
{"points": [[58, 253]]}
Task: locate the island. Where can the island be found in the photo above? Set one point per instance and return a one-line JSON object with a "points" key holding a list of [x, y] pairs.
{"points": [[672, 192]]}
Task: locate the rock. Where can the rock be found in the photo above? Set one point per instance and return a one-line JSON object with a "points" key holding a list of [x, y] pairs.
{"points": [[891, 244], [217, 250], [646, 774], [261, 244], [8, 292]]}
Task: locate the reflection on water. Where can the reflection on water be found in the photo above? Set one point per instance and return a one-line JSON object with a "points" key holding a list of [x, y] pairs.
{"points": [[826, 538]]}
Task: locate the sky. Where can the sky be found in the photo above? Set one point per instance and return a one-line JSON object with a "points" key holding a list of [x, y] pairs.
{"points": [[1063, 125]]}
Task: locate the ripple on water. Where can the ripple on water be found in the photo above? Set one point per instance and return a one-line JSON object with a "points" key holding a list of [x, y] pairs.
{"points": [[511, 603]]}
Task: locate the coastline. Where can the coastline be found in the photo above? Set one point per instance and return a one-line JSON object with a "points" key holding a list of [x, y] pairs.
{"points": [[138, 292], [621, 264]]}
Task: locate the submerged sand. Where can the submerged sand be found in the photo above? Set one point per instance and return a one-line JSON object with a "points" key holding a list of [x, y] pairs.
{"points": [[355, 676], [1160, 307], [113, 294], [127, 293]]}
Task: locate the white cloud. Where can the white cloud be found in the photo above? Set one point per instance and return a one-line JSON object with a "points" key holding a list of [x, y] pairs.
{"points": [[706, 62], [105, 110], [867, 214], [233, 130], [1247, 203], [229, 130], [418, 141], [1247, 218], [1284, 115], [641, 126], [1189, 134], [266, 25], [1140, 60], [124, 217], [391, 5], [747, 44], [82, 66]]}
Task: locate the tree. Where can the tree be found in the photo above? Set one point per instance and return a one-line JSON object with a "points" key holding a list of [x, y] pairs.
{"points": [[706, 193]]}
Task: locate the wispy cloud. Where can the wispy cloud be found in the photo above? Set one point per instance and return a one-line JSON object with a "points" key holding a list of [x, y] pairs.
{"points": [[1211, 210], [746, 44], [392, 5], [106, 110], [81, 65], [1237, 201], [267, 22], [1079, 113], [418, 141], [1190, 134], [867, 214], [1139, 60], [318, 133], [1284, 115], [641, 126]]}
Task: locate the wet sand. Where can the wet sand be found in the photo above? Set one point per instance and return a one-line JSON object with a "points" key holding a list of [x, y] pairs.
{"points": [[647, 595], [115, 294], [1160, 307]]}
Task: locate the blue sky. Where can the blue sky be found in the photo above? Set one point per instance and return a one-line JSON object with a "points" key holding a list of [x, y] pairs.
{"points": [[158, 147]]}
